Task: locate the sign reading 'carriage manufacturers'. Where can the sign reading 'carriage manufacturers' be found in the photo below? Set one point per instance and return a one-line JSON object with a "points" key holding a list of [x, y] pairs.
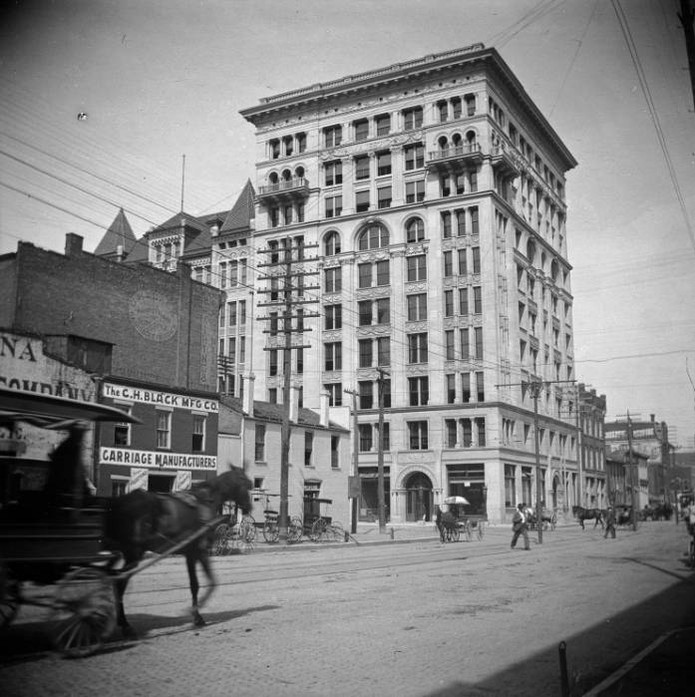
{"points": [[169, 399], [156, 460]]}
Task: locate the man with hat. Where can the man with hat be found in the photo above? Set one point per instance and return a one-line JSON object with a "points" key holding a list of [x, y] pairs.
{"points": [[520, 526]]}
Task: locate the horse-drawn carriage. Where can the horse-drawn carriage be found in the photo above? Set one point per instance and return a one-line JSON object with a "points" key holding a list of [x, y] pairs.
{"points": [[80, 550], [453, 522], [548, 519]]}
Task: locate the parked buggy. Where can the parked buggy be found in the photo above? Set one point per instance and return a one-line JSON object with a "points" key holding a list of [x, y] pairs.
{"points": [[453, 523], [318, 525]]}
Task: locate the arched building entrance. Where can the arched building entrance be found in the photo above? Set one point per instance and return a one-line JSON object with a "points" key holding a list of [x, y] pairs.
{"points": [[418, 497]]}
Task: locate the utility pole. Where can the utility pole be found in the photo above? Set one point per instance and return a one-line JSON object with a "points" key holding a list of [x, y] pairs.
{"points": [[286, 292], [687, 16], [632, 471], [535, 386], [381, 490], [355, 461]]}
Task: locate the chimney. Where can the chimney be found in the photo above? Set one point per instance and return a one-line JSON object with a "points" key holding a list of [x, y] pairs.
{"points": [[294, 403], [119, 252], [323, 410], [248, 394], [73, 245]]}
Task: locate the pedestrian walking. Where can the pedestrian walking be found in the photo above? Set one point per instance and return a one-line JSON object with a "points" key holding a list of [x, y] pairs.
{"points": [[610, 523], [520, 526]]}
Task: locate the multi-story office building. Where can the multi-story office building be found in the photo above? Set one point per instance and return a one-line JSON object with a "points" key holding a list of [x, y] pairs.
{"points": [[435, 191]]}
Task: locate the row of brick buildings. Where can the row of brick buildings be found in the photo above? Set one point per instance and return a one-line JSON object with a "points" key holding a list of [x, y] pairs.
{"points": [[423, 207]]}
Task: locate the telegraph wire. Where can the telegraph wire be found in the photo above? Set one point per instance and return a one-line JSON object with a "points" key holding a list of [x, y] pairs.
{"points": [[627, 35]]}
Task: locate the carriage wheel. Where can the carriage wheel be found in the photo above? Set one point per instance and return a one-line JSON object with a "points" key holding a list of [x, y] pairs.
{"points": [[220, 542], [271, 530], [295, 529], [467, 532], [480, 531], [85, 611], [337, 534], [318, 530], [454, 534], [9, 596], [247, 530]]}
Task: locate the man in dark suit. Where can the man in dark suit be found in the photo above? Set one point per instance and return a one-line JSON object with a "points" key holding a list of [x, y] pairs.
{"points": [[520, 526]]}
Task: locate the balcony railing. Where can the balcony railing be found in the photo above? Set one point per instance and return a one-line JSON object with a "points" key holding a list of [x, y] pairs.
{"points": [[467, 152], [290, 187]]}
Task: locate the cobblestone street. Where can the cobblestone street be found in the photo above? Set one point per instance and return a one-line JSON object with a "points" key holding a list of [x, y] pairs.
{"points": [[414, 619]]}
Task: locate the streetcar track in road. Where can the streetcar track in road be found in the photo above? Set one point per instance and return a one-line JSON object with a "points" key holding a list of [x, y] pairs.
{"points": [[316, 568]]}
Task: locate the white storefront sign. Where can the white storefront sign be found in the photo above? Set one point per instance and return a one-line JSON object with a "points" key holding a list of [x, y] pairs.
{"points": [[152, 459], [169, 399]]}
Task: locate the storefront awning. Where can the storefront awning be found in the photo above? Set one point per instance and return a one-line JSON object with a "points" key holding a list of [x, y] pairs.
{"points": [[54, 412]]}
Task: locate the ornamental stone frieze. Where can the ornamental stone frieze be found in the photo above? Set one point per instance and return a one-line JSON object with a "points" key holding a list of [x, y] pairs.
{"points": [[415, 249], [372, 256], [415, 286], [411, 462], [373, 331], [416, 326], [372, 293], [416, 371]]}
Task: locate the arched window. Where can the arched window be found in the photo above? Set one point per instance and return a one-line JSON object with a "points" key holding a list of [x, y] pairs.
{"points": [[273, 178], [456, 140], [286, 175], [414, 230], [331, 244], [443, 143], [471, 138], [299, 172], [373, 236]]}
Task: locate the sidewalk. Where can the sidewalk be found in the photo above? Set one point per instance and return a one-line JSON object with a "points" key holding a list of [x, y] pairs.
{"points": [[665, 667]]}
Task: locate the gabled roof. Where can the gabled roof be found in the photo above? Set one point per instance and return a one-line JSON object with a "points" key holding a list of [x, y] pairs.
{"points": [[239, 218], [119, 234], [174, 222]]}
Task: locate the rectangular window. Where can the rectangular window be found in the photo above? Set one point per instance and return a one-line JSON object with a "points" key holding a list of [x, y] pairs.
{"points": [[477, 300], [365, 347], [333, 282], [417, 348], [334, 206], [412, 118], [366, 394], [366, 440], [121, 431], [450, 388], [445, 224], [364, 275], [465, 344], [509, 486], [361, 129], [273, 362], [362, 201], [475, 229], [478, 342], [449, 344], [448, 303], [415, 191], [460, 222], [259, 450], [418, 390], [382, 273], [463, 266], [466, 388], [383, 344], [383, 311], [480, 386], [417, 268], [475, 251], [383, 163], [332, 136], [448, 264], [384, 197], [463, 301], [334, 173], [383, 124], [450, 433], [334, 316], [414, 156], [364, 310], [242, 312], [335, 393], [335, 452], [163, 429], [198, 439], [231, 314], [467, 433], [308, 448], [362, 167], [333, 353], [417, 435], [417, 307]]}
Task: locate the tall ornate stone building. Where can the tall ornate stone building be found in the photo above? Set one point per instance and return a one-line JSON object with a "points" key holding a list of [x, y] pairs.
{"points": [[435, 193]]}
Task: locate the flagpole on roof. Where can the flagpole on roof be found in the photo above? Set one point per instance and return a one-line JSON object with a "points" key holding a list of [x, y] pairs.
{"points": [[183, 178]]}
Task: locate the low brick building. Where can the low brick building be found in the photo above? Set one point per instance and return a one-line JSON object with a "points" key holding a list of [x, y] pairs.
{"points": [[144, 334]]}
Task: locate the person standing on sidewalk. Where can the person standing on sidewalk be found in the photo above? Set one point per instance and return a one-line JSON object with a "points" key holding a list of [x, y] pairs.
{"points": [[610, 523], [520, 526]]}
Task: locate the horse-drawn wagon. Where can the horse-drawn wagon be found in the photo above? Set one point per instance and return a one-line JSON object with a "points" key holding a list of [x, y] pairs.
{"points": [[454, 523], [78, 549]]}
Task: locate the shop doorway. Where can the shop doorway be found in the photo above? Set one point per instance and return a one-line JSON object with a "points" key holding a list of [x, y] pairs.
{"points": [[418, 498], [161, 483]]}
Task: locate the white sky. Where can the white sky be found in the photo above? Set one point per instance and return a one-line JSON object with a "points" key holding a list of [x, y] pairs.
{"points": [[162, 78]]}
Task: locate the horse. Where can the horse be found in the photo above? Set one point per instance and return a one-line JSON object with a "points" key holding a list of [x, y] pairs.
{"points": [[583, 514], [143, 521], [446, 523]]}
